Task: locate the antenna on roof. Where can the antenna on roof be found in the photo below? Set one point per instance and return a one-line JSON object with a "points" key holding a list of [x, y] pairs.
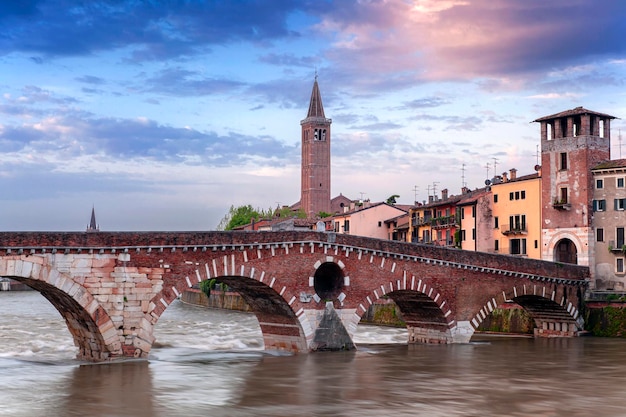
{"points": [[415, 188], [495, 164], [619, 140], [487, 166], [463, 183], [537, 153]]}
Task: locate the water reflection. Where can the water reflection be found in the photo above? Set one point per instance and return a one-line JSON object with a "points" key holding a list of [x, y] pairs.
{"points": [[212, 363]]}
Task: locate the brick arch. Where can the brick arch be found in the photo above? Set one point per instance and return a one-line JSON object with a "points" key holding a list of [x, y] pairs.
{"points": [[269, 298], [89, 324], [423, 307], [545, 304]]}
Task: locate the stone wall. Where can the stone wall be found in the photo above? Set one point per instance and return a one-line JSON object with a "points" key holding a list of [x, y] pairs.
{"points": [[218, 299]]}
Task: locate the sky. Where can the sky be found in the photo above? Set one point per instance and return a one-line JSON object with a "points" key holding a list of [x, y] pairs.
{"points": [[162, 115]]}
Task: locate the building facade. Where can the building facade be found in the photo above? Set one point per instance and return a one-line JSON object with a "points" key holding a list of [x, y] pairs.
{"points": [[475, 213], [572, 143], [609, 225], [517, 215]]}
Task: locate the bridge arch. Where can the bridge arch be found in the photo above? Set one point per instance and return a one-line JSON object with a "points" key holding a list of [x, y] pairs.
{"points": [[424, 309], [269, 297], [547, 305], [91, 327]]}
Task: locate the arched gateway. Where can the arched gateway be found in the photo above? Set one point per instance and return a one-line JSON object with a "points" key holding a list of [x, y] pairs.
{"points": [[308, 290]]}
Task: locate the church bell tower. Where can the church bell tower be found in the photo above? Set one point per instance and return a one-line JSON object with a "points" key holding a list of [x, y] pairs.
{"points": [[315, 184]]}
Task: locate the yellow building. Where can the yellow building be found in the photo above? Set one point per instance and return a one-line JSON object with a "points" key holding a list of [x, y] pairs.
{"points": [[517, 215]]}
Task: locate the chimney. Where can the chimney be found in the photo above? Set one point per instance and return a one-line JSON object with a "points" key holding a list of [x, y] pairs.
{"points": [[505, 178], [431, 198], [513, 173], [444, 194], [464, 190]]}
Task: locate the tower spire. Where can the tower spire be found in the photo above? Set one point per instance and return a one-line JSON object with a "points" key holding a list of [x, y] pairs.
{"points": [[316, 109], [93, 226]]}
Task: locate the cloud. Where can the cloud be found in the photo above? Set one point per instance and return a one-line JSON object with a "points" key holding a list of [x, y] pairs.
{"points": [[154, 30], [460, 40], [72, 135], [185, 83]]}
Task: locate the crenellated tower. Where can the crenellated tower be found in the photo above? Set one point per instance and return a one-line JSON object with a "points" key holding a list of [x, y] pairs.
{"points": [[315, 183], [572, 143]]}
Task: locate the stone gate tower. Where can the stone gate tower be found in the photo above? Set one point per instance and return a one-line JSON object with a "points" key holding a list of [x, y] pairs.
{"points": [[572, 143], [315, 184]]}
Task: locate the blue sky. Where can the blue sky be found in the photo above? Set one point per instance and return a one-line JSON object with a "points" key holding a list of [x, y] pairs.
{"points": [[163, 114]]}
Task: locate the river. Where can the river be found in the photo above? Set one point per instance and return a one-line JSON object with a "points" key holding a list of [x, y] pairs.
{"points": [[212, 363]]}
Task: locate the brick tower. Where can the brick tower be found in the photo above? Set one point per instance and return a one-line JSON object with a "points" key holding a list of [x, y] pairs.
{"points": [[315, 184], [572, 143]]}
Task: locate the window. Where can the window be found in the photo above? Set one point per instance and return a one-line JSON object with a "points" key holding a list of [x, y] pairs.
{"points": [[619, 265], [600, 205], [563, 161], [346, 226], [620, 203], [518, 246], [599, 184], [523, 194], [511, 195], [495, 198], [517, 222], [462, 213], [473, 211], [536, 244], [619, 237], [517, 195], [496, 222], [463, 235], [599, 234], [563, 195], [473, 234], [620, 183], [380, 224], [496, 245]]}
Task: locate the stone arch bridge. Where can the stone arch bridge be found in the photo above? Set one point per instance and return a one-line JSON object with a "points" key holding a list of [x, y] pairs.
{"points": [[307, 289]]}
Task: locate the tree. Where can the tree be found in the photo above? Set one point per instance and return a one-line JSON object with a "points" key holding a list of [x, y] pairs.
{"points": [[392, 199], [286, 212], [239, 216]]}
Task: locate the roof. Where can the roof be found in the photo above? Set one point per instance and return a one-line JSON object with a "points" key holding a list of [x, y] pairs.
{"points": [[615, 163], [574, 112], [473, 196], [316, 109], [371, 206]]}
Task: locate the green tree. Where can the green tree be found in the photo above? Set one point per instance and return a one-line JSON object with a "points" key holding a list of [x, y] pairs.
{"points": [[287, 213], [392, 199], [239, 216], [323, 214]]}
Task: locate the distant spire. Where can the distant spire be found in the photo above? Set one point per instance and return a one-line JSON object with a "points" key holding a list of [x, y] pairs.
{"points": [[93, 226], [316, 109]]}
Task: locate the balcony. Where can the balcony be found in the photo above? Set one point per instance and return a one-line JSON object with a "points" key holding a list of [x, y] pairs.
{"points": [[444, 222], [617, 248], [421, 221], [561, 205], [515, 230]]}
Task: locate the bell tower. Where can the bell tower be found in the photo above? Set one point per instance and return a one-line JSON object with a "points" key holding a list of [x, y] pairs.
{"points": [[572, 143], [315, 169]]}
